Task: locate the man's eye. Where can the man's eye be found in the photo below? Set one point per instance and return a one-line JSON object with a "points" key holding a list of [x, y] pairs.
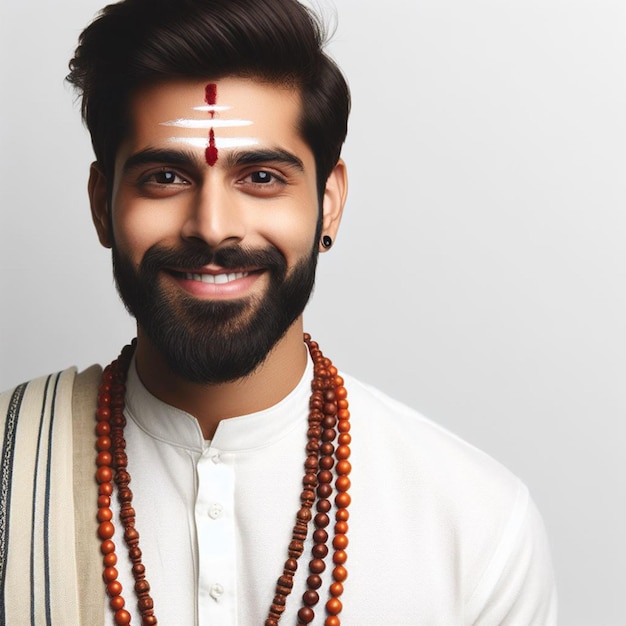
{"points": [[166, 177], [262, 177]]}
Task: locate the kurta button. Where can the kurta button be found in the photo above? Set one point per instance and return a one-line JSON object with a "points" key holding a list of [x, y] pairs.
{"points": [[216, 458], [217, 591], [216, 510]]}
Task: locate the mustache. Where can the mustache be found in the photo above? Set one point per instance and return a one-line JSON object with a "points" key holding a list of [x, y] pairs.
{"points": [[196, 254]]}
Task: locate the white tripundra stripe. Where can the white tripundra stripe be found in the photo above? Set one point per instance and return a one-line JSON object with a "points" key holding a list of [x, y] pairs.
{"points": [[222, 143], [208, 123]]}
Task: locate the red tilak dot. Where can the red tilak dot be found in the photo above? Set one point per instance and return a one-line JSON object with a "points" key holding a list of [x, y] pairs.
{"points": [[210, 93], [211, 151]]}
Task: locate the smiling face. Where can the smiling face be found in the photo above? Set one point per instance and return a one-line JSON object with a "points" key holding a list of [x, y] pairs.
{"points": [[214, 221]]}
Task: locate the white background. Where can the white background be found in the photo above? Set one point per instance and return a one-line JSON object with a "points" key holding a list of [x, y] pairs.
{"points": [[479, 274]]}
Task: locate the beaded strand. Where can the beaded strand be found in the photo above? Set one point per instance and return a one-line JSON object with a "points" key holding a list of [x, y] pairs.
{"points": [[328, 420]]}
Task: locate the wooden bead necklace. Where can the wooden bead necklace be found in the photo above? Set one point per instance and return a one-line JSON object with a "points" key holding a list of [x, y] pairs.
{"points": [[329, 419]]}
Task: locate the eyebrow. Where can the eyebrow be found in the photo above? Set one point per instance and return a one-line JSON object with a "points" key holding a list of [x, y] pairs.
{"points": [[156, 155], [251, 157]]}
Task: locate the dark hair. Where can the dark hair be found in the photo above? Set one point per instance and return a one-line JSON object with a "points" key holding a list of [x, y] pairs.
{"points": [[135, 43]]}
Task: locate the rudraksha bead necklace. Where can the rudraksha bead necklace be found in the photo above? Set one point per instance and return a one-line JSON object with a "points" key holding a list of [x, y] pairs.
{"points": [[329, 420]]}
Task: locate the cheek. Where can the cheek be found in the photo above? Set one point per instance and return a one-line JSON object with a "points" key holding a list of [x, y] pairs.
{"points": [[138, 228], [293, 233]]}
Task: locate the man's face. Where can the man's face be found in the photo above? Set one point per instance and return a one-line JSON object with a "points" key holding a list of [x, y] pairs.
{"points": [[214, 222]]}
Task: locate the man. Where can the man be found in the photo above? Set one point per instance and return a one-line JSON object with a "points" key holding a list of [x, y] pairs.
{"points": [[266, 486]]}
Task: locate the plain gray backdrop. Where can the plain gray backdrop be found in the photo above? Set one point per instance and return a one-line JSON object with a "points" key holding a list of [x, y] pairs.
{"points": [[479, 273]]}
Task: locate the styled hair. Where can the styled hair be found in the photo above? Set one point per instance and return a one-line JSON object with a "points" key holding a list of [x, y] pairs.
{"points": [[135, 43]]}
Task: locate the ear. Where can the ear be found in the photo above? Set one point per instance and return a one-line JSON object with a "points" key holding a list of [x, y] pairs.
{"points": [[98, 198], [334, 200]]}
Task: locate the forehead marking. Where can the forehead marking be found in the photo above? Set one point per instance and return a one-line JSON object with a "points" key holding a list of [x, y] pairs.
{"points": [[210, 97]]}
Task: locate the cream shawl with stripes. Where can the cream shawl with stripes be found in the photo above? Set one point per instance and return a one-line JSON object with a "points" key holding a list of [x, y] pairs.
{"points": [[50, 564]]}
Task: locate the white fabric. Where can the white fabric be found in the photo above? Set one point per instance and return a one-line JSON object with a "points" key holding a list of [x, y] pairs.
{"points": [[440, 534]]}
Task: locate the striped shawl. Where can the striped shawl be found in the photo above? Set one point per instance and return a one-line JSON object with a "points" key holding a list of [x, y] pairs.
{"points": [[50, 564]]}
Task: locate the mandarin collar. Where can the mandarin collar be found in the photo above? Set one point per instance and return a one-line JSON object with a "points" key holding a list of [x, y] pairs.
{"points": [[175, 427]]}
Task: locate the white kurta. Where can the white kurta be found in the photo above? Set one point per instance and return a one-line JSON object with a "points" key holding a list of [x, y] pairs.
{"points": [[440, 534]]}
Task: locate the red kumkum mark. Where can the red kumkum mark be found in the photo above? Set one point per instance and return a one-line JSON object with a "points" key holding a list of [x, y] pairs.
{"points": [[210, 154], [210, 97]]}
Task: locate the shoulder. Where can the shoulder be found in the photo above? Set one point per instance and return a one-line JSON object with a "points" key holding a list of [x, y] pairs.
{"points": [[420, 444], [49, 395], [452, 499]]}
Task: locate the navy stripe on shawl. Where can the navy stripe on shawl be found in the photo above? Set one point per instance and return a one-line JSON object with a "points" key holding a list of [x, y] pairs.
{"points": [[6, 472]]}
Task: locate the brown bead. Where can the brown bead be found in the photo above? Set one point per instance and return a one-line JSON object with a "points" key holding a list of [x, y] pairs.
{"points": [[325, 476], [321, 520], [145, 604], [325, 491], [342, 500], [114, 588], [329, 435], [326, 463], [329, 422], [336, 589], [343, 452], [340, 573], [323, 505], [304, 514], [103, 443], [291, 565], [341, 528], [105, 489], [296, 548], [106, 530], [320, 536], [110, 559], [314, 581], [317, 566], [343, 468], [105, 514], [122, 617], [107, 547], [342, 483], [344, 439], [104, 458], [308, 496], [334, 606], [306, 615], [340, 542], [104, 474], [139, 569], [310, 597], [327, 449], [330, 408], [109, 574], [319, 551], [117, 603], [332, 620], [134, 553], [286, 581], [340, 557], [103, 429], [342, 515], [104, 501]]}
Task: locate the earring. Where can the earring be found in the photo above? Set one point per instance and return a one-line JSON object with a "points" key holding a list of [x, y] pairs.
{"points": [[327, 241]]}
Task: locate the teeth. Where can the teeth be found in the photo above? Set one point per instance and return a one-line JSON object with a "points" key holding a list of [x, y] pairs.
{"points": [[215, 279]]}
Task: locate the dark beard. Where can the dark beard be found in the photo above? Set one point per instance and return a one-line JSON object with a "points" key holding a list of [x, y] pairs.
{"points": [[213, 342]]}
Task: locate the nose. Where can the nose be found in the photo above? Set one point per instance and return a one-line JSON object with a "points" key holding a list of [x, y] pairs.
{"points": [[215, 216]]}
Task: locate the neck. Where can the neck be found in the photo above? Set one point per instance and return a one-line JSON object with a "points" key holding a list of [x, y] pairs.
{"points": [[269, 383]]}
